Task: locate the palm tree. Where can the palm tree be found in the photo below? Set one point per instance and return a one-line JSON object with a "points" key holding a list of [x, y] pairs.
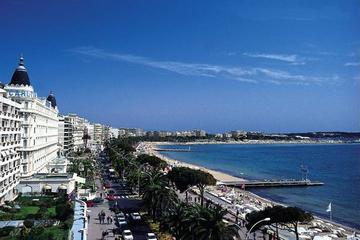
{"points": [[157, 195], [207, 224], [174, 221]]}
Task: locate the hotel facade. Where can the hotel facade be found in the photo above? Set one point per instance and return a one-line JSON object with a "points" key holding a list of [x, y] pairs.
{"points": [[35, 139], [39, 125]]}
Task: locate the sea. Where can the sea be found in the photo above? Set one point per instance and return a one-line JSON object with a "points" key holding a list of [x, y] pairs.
{"points": [[336, 165]]}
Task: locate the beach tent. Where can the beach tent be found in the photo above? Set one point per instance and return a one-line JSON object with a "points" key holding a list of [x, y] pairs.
{"points": [[322, 238]]}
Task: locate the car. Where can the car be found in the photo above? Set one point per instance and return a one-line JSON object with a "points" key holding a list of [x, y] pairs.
{"points": [[151, 236], [110, 197], [98, 200], [127, 235], [135, 216], [90, 204], [120, 218], [120, 214]]}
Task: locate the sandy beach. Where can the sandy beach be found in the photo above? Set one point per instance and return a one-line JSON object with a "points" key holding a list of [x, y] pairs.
{"points": [[149, 148]]}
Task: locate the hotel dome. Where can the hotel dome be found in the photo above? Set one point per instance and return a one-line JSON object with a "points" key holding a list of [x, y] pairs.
{"points": [[51, 98], [20, 76]]}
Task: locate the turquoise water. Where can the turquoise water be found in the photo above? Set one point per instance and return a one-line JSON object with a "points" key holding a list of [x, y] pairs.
{"points": [[338, 166]]}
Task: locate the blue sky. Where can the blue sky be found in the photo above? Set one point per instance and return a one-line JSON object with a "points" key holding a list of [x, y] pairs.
{"points": [[274, 66]]}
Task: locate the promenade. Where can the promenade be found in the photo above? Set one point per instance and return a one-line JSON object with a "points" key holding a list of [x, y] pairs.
{"points": [[95, 229]]}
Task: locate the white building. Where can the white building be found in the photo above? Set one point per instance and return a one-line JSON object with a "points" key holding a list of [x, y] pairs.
{"points": [[39, 127], [10, 142], [114, 132], [98, 133], [68, 137], [78, 128], [45, 183], [61, 135]]}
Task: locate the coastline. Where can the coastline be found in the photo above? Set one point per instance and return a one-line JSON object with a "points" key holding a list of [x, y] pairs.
{"points": [[219, 176], [150, 148]]}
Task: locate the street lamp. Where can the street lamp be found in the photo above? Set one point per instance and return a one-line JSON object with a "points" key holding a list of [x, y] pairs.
{"points": [[262, 220]]}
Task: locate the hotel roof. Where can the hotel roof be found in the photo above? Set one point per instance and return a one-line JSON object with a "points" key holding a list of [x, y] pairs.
{"points": [[20, 76]]}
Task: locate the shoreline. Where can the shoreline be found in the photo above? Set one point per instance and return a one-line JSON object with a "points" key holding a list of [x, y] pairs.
{"points": [[251, 142], [150, 148]]}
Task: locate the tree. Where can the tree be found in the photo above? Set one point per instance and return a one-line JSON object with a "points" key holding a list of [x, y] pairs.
{"points": [[173, 222], [153, 161], [64, 211], [157, 195], [184, 177], [288, 217], [203, 179], [294, 215], [207, 223]]}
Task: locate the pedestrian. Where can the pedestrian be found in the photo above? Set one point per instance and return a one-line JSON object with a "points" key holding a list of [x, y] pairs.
{"points": [[88, 218], [99, 216], [101, 194], [108, 220], [104, 233]]}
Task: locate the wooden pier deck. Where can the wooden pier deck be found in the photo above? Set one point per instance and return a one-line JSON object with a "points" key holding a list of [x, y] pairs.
{"points": [[266, 184]]}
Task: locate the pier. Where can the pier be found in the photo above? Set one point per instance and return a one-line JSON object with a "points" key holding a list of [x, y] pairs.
{"points": [[266, 184]]}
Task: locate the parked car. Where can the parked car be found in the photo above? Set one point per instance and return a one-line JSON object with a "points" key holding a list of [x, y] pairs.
{"points": [[120, 214], [151, 236], [98, 200], [135, 216], [110, 197], [90, 204], [127, 235]]}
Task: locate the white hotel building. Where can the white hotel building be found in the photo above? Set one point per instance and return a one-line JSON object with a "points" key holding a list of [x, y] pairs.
{"points": [[10, 142], [40, 122]]}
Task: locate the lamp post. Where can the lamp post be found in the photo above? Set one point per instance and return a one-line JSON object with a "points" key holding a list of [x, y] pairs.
{"points": [[262, 220]]}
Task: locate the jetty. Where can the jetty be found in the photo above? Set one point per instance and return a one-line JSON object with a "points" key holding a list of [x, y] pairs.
{"points": [[272, 183]]}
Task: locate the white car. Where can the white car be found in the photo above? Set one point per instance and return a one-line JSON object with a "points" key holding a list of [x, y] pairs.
{"points": [[151, 236], [127, 235], [135, 216]]}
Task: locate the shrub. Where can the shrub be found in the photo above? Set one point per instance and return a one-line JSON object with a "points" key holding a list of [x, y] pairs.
{"points": [[28, 223], [5, 231], [63, 211]]}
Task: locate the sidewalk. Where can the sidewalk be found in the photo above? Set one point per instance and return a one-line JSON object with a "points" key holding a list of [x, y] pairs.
{"points": [[95, 229]]}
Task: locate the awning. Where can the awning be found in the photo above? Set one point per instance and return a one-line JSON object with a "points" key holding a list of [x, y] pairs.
{"points": [[80, 179], [62, 187], [47, 187]]}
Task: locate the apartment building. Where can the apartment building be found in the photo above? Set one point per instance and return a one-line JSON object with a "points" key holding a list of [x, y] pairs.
{"points": [[10, 141]]}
